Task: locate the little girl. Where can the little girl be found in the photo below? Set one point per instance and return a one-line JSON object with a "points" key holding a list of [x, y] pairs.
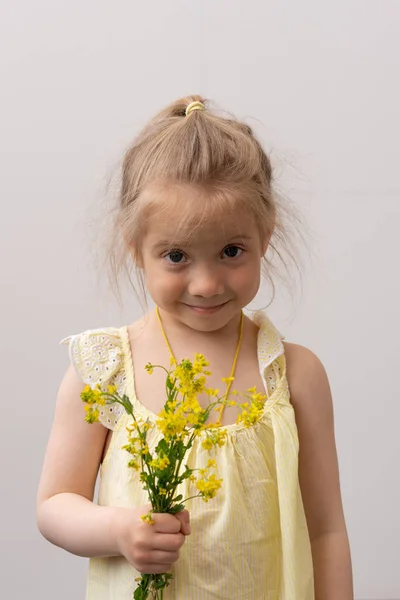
{"points": [[196, 215]]}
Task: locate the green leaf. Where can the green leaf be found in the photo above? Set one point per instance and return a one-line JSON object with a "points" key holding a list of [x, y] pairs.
{"points": [[160, 581], [177, 508], [127, 403], [170, 384], [162, 447], [162, 474], [140, 594], [142, 591], [184, 475]]}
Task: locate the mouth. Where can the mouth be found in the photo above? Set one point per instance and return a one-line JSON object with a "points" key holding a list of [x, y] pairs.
{"points": [[206, 310]]}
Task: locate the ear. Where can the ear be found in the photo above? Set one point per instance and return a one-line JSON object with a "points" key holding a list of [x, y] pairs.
{"points": [[265, 243], [136, 256], [271, 227], [133, 249]]}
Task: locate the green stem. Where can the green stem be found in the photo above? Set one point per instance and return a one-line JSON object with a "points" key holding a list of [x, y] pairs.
{"points": [[188, 445], [160, 367], [191, 497], [177, 469]]}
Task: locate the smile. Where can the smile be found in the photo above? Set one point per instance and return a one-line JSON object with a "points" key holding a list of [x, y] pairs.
{"points": [[206, 310]]}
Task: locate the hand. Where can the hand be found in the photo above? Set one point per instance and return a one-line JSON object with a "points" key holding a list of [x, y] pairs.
{"points": [[151, 548]]}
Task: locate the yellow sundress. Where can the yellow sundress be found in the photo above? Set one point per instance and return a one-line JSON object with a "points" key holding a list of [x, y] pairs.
{"points": [[251, 541]]}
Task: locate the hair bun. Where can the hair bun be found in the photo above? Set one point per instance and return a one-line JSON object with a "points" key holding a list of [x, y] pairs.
{"points": [[197, 105]]}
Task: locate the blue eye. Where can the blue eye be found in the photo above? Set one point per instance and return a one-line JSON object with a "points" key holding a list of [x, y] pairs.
{"points": [[175, 257], [233, 251]]}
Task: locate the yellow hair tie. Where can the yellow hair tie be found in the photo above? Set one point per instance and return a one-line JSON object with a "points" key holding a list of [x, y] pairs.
{"points": [[194, 106]]}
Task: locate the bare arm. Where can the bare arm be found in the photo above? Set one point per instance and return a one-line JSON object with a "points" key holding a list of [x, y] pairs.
{"points": [[66, 514], [319, 475]]}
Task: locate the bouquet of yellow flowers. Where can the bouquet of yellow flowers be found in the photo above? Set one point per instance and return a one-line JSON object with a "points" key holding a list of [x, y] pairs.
{"points": [[181, 420]]}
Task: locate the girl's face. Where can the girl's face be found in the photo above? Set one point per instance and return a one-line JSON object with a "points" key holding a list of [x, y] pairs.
{"points": [[206, 281]]}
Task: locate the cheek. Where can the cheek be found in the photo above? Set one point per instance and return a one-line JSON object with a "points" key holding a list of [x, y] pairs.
{"points": [[160, 281], [248, 279]]}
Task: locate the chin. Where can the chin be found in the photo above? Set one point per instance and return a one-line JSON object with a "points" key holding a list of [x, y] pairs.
{"points": [[209, 322]]}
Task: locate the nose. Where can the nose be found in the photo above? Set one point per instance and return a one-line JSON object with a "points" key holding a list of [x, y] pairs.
{"points": [[206, 282]]}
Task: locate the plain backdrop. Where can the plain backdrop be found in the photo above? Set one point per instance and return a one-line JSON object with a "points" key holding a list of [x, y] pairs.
{"points": [[319, 82]]}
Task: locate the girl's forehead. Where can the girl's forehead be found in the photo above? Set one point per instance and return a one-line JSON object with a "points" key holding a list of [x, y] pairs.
{"points": [[186, 213], [199, 229], [206, 232]]}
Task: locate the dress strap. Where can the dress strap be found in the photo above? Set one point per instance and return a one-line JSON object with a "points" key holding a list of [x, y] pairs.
{"points": [[270, 341]]}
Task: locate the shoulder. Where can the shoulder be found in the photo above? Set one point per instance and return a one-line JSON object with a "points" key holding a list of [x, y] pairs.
{"points": [[301, 360], [307, 378], [90, 334]]}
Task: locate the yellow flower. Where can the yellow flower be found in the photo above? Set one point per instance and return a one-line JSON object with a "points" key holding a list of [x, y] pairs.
{"points": [[162, 491], [251, 413], [199, 363], [190, 378], [227, 379], [171, 424], [86, 394], [93, 395], [160, 463], [258, 398], [218, 436], [194, 419], [89, 395], [208, 487], [131, 446], [199, 385], [207, 444], [171, 405], [111, 389], [149, 368], [134, 464], [92, 414], [211, 392], [148, 519], [211, 463]]}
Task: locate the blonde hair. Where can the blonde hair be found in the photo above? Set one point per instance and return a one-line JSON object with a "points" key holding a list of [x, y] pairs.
{"points": [[220, 156]]}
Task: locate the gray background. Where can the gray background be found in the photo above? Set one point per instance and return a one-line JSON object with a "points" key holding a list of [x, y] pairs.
{"points": [[319, 82]]}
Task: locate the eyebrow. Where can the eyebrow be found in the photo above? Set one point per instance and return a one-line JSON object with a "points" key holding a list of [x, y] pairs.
{"points": [[178, 243]]}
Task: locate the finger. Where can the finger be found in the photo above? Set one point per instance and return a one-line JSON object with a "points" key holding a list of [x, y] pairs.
{"points": [[168, 542], [160, 557], [184, 518], [165, 523]]}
